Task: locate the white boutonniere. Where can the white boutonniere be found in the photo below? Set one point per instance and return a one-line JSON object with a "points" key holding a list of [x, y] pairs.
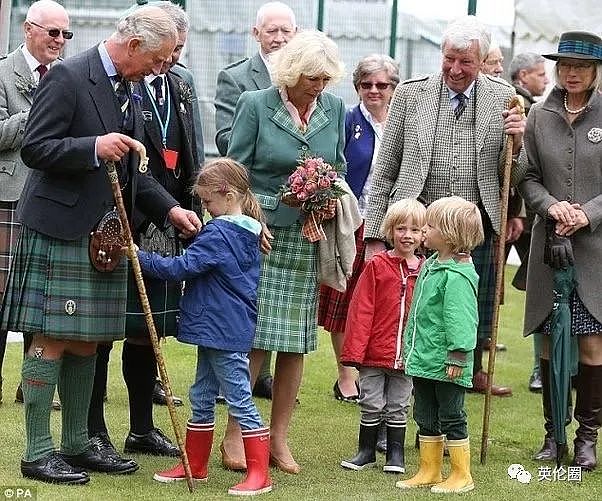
{"points": [[185, 91], [26, 85]]}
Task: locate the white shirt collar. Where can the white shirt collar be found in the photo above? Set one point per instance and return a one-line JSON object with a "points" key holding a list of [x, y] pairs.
{"points": [[32, 62], [467, 92]]}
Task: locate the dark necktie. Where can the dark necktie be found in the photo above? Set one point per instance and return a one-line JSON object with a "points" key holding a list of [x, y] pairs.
{"points": [[157, 83], [42, 69], [121, 90], [461, 105]]}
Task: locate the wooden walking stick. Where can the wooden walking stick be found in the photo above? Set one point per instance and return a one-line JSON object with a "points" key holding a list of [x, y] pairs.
{"points": [[148, 316], [516, 101]]}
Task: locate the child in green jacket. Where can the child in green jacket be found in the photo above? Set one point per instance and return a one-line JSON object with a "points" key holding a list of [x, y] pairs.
{"points": [[439, 340]]}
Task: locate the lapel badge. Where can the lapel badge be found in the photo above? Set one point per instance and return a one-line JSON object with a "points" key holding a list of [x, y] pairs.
{"points": [[595, 134], [358, 131], [147, 116], [70, 307]]}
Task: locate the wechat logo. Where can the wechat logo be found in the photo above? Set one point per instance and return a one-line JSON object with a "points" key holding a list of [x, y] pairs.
{"points": [[518, 472]]}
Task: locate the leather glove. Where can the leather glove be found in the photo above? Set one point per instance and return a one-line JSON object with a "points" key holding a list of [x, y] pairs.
{"points": [[558, 250]]}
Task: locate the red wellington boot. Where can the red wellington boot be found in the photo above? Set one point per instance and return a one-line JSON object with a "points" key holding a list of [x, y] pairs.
{"points": [[199, 438], [257, 454]]}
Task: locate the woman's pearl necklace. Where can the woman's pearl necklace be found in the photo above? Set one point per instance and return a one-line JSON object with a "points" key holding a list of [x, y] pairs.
{"points": [[573, 112]]}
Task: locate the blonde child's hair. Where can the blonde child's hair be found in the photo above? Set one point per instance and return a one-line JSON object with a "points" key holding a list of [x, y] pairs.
{"points": [[459, 222], [400, 211], [224, 175]]}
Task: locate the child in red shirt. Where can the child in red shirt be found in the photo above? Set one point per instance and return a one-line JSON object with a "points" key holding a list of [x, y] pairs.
{"points": [[374, 336]]}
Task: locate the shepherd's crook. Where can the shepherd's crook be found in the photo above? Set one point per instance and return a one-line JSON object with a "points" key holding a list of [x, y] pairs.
{"points": [[114, 178], [517, 102]]}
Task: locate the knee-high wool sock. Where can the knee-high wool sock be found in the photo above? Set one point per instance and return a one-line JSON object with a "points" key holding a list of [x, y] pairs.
{"points": [[96, 416], [75, 390], [139, 368], [39, 382]]}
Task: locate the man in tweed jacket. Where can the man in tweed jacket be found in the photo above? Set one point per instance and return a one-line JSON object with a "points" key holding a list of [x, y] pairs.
{"points": [[437, 144]]}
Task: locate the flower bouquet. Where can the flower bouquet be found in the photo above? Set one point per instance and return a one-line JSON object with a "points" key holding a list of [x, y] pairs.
{"points": [[313, 187]]}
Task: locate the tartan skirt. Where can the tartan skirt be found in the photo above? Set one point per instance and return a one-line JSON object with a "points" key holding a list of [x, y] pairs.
{"points": [[334, 305], [54, 290], [9, 234], [287, 295], [164, 298]]}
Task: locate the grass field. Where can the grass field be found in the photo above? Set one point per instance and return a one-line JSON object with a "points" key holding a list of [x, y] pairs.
{"points": [[323, 432]]}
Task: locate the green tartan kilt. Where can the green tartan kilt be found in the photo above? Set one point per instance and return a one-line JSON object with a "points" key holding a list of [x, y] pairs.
{"points": [[287, 296], [164, 298], [54, 290]]}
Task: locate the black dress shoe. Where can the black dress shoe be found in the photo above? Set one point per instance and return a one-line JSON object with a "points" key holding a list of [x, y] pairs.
{"points": [[154, 442], [160, 398], [101, 456], [343, 398], [263, 387], [52, 469], [535, 383]]}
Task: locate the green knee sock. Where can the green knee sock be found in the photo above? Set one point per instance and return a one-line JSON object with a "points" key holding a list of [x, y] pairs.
{"points": [[265, 367], [75, 390], [39, 381]]}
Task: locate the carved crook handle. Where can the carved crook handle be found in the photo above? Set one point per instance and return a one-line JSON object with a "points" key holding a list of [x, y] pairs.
{"points": [[141, 149]]}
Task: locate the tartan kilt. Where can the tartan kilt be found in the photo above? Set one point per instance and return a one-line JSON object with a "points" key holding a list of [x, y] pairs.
{"points": [[164, 298], [334, 305], [54, 290], [483, 258], [9, 234], [287, 295]]}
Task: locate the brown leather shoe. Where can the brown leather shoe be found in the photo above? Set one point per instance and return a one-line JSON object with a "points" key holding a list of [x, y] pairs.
{"points": [[479, 385]]}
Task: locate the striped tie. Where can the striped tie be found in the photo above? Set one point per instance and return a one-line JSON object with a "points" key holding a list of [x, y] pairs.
{"points": [[461, 105]]}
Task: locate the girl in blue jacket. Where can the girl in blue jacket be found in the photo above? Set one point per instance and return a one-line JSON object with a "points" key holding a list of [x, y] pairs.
{"points": [[218, 313], [439, 338]]}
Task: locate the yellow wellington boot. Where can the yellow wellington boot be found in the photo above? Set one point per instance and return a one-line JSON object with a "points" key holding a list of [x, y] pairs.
{"points": [[431, 457], [460, 479]]}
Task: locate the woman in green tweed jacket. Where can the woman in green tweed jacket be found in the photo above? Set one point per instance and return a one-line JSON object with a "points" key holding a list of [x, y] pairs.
{"points": [[273, 128]]}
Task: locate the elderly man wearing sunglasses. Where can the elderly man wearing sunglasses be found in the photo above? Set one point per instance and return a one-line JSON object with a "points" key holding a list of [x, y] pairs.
{"points": [[45, 32]]}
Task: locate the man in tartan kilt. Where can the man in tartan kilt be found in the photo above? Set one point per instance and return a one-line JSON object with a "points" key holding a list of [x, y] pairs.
{"points": [[20, 72], [84, 114], [168, 130]]}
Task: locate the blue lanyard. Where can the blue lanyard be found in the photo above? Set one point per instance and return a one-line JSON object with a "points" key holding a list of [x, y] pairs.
{"points": [[162, 125]]}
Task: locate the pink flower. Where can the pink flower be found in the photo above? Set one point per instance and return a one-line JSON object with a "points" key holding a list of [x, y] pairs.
{"points": [[302, 195], [297, 186], [332, 174], [324, 182], [312, 163], [311, 187]]}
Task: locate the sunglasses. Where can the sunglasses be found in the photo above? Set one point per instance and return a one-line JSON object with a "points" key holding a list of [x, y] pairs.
{"points": [[54, 32], [378, 85]]}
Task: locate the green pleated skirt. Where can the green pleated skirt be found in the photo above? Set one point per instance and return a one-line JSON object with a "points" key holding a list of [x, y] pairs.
{"points": [[287, 296]]}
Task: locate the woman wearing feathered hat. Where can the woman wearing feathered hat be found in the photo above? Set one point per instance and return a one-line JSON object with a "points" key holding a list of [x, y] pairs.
{"points": [[563, 184]]}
